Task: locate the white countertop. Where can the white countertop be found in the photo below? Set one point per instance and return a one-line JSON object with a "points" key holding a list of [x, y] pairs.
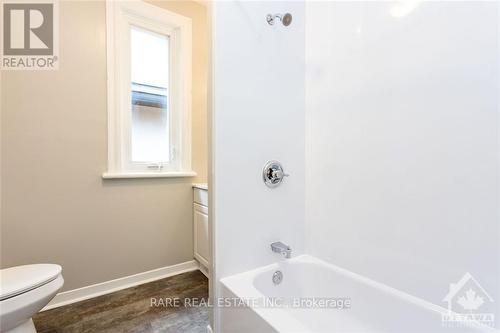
{"points": [[202, 186]]}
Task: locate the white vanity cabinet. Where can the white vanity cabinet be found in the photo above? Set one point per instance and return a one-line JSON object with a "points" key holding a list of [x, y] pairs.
{"points": [[200, 225]]}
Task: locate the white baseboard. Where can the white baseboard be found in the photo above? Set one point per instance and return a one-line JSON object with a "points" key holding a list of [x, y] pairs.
{"points": [[99, 289], [203, 269]]}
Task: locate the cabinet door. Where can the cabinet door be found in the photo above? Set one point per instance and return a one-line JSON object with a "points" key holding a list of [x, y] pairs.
{"points": [[201, 248]]}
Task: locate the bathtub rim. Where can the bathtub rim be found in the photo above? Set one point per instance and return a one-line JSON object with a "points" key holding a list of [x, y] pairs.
{"points": [[241, 285]]}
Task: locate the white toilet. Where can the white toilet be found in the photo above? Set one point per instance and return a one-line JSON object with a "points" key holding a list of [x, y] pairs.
{"points": [[25, 290]]}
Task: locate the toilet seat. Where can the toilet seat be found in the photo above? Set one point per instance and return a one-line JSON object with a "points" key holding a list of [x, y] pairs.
{"points": [[25, 290], [15, 281], [17, 310]]}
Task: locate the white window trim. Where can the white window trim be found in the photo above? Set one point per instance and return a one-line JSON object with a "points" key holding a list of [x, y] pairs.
{"points": [[119, 16]]}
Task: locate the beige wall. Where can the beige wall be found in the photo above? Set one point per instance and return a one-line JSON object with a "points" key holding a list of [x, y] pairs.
{"points": [[55, 206]]}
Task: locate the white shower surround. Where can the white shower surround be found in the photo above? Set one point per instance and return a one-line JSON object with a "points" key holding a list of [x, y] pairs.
{"points": [[402, 142], [400, 139]]}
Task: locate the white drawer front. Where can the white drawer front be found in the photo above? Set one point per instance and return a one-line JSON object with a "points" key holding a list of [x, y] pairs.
{"points": [[200, 196]]}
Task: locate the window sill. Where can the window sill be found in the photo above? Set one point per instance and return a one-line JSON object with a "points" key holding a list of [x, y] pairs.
{"points": [[169, 174]]}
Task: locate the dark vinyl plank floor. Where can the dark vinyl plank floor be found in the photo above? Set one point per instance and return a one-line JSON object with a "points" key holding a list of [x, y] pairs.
{"points": [[130, 310]]}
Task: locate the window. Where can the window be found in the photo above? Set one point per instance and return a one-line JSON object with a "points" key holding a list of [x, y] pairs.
{"points": [[149, 91], [150, 133]]}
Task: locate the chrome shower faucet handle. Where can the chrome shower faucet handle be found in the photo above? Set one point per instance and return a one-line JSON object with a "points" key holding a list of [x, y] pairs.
{"points": [[273, 173]]}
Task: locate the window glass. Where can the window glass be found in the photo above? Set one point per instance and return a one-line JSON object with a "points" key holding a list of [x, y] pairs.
{"points": [[150, 137]]}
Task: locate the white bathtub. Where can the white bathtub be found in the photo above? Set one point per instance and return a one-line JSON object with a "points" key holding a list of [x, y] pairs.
{"points": [[374, 307]]}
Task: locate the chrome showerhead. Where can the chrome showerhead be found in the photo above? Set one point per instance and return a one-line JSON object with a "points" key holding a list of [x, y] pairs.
{"points": [[286, 19]]}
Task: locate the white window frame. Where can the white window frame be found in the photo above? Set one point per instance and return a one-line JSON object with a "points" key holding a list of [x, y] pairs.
{"points": [[120, 15]]}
